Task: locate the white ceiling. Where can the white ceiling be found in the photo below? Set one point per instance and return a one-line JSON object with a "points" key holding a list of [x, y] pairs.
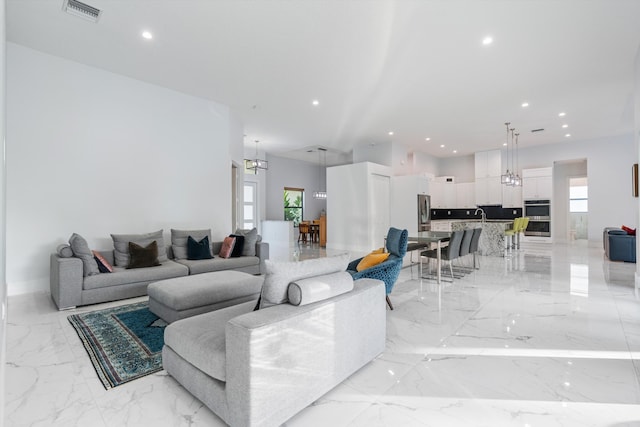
{"points": [[417, 68]]}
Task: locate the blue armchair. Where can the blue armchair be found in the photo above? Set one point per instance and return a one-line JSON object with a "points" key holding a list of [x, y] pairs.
{"points": [[389, 270]]}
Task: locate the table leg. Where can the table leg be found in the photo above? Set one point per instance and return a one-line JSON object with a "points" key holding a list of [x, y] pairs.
{"points": [[439, 261]]}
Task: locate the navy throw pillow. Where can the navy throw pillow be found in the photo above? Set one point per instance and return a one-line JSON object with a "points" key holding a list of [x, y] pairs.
{"points": [[198, 250], [237, 248]]}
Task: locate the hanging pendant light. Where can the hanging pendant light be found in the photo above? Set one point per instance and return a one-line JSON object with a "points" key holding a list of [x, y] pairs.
{"points": [[322, 195], [506, 177], [256, 163], [512, 175], [518, 181]]}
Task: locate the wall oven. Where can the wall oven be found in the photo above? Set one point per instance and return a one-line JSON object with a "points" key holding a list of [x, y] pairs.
{"points": [[539, 213]]}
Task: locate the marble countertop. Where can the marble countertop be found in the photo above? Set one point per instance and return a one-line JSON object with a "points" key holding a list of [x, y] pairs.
{"points": [[473, 220]]}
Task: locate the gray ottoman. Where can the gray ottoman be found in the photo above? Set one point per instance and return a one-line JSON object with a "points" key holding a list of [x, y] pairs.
{"points": [[175, 299]]}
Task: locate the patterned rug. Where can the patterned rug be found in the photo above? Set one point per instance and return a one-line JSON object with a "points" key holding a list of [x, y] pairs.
{"points": [[124, 343]]}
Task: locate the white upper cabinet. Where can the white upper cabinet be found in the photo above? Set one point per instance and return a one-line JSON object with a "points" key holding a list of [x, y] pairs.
{"points": [[465, 195], [487, 163], [537, 184], [511, 196]]}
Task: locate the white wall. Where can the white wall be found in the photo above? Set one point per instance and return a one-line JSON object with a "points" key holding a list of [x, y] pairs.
{"points": [[422, 163], [284, 172], [95, 153], [349, 222], [463, 168], [390, 154], [3, 281]]}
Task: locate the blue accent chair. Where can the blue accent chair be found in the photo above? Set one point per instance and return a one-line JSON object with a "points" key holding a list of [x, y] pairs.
{"points": [[389, 270]]}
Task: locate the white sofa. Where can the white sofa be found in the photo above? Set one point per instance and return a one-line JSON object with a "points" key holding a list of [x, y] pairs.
{"points": [[259, 368]]}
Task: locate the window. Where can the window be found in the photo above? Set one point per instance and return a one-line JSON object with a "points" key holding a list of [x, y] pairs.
{"points": [[293, 204], [578, 199], [250, 207]]}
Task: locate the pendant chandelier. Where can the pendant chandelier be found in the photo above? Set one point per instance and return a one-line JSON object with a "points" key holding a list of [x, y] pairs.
{"points": [[512, 178], [256, 163], [506, 177], [322, 153]]}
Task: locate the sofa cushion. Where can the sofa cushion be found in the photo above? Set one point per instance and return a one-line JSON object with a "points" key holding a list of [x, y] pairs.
{"points": [[121, 245], [198, 249], [64, 251], [280, 274], [218, 264], [201, 339], [140, 257], [179, 240], [227, 247], [238, 246], [122, 276], [81, 250], [318, 288], [372, 259], [250, 240], [103, 265]]}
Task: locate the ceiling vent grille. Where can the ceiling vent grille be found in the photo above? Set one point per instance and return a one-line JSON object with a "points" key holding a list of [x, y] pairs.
{"points": [[84, 11]]}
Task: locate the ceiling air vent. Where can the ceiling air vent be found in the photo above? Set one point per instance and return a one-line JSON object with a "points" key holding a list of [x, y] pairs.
{"points": [[537, 130], [84, 11]]}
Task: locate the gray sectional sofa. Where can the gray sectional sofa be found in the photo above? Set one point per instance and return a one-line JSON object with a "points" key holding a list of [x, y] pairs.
{"points": [[259, 368], [71, 286]]}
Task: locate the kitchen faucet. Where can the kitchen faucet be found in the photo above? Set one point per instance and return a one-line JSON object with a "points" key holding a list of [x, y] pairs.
{"points": [[484, 215]]}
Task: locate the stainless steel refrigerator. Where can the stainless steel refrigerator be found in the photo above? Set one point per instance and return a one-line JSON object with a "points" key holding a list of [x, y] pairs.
{"points": [[424, 212]]}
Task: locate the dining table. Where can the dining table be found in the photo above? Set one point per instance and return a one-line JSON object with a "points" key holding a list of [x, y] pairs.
{"points": [[437, 237]]}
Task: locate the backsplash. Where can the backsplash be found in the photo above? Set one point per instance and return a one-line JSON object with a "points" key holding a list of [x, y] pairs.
{"points": [[492, 212]]}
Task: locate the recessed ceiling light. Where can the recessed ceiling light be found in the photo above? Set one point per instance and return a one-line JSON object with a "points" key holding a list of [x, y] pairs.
{"points": [[567, 135], [427, 139], [562, 114], [455, 151], [565, 125], [315, 102], [441, 145], [525, 104], [147, 35], [504, 144], [487, 40], [390, 132]]}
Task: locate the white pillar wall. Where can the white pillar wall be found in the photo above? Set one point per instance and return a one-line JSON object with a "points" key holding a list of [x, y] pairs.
{"points": [[636, 136], [3, 281]]}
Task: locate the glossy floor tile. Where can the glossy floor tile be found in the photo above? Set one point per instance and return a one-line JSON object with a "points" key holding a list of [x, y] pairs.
{"points": [[546, 336]]}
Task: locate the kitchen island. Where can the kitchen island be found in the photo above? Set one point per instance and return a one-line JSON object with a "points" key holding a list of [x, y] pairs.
{"points": [[492, 238]]}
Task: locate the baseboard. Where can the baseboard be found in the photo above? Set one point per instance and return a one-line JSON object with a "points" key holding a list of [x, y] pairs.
{"points": [[28, 287]]}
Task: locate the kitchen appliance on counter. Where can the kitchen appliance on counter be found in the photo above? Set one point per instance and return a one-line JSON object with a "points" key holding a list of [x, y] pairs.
{"points": [[424, 212]]}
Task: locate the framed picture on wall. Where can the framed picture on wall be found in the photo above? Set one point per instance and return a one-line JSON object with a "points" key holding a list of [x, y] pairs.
{"points": [[635, 180]]}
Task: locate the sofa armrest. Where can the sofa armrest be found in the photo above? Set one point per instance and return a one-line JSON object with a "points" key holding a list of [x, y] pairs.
{"points": [[262, 252], [283, 358], [65, 281]]}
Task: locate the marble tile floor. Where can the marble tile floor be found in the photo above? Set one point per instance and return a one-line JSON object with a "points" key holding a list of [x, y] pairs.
{"points": [[546, 338]]}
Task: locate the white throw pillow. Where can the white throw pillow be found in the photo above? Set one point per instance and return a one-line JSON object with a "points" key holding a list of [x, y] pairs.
{"points": [[318, 288], [280, 274]]}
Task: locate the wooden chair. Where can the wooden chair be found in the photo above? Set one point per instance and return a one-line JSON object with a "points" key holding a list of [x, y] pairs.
{"points": [[303, 229]]}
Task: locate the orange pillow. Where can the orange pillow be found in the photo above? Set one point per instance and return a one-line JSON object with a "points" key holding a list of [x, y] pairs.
{"points": [[372, 259]]}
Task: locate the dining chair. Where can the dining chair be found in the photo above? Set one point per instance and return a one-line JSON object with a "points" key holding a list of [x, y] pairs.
{"points": [[448, 253], [465, 246], [303, 229], [475, 243]]}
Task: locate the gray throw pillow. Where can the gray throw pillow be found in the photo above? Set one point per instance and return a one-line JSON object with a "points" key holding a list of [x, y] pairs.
{"points": [[280, 274], [80, 249], [121, 246], [250, 239], [179, 240]]}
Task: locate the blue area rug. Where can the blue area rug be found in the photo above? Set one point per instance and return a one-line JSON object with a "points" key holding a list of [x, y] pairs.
{"points": [[124, 343]]}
